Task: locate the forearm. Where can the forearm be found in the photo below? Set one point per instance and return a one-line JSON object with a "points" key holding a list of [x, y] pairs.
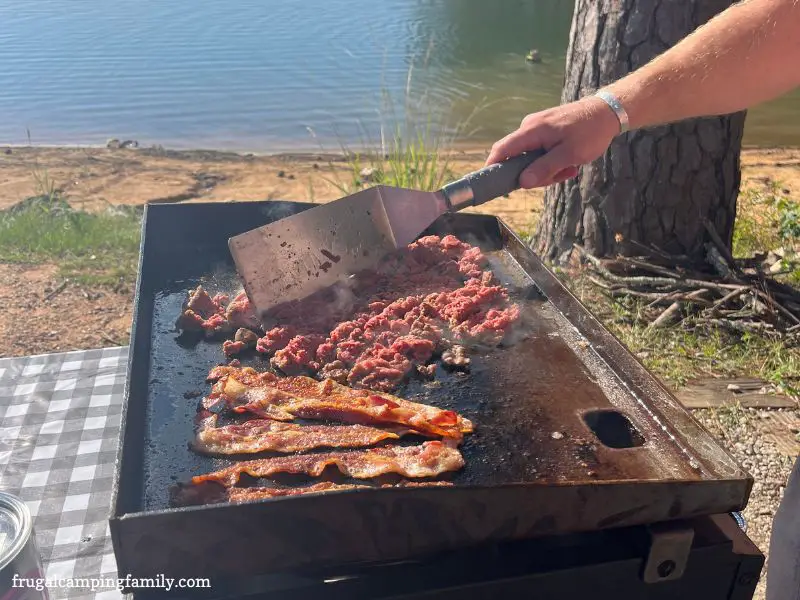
{"points": [[748, 54]]}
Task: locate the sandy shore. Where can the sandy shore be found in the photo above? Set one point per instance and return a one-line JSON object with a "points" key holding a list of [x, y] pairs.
{"points": [[94, 177]]}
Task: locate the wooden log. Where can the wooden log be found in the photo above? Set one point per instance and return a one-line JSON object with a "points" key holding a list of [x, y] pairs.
{"points": [[747, 392]]}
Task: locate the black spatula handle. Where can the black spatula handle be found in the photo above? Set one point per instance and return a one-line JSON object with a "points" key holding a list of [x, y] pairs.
{"points": [[490, 182]]}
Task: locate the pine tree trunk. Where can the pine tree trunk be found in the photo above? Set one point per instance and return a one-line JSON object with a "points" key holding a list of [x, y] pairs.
{"points": [[652, 186]]}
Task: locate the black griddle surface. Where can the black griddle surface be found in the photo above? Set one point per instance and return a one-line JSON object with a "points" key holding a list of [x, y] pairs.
{"points": [[526, 400]]}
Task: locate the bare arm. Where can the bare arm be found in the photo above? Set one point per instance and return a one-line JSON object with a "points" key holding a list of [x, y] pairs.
{"points": [[747, 54]]}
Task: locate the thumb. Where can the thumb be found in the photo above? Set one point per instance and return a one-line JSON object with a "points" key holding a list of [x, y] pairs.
{"points": [[543, 170]]}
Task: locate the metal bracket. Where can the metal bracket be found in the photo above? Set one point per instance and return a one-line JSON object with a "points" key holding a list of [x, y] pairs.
{"points": [[670, 546]]}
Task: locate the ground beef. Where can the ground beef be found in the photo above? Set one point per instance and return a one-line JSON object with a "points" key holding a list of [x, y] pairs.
{"points": [[335, 370], [244, 338], [203, 313], [390, 322], [299, 355], [275, 339], [231, 348], [455, 357], [240, 313]]}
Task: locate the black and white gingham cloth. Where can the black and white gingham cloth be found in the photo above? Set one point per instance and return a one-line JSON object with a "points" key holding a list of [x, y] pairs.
{"points": [[59, 430]]}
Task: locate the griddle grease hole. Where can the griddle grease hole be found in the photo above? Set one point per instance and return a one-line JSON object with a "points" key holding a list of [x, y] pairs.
{"points": [[613, 428]]}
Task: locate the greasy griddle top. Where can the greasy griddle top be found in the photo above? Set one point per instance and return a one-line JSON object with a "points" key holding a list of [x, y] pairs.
{"points": [[527, 401]]}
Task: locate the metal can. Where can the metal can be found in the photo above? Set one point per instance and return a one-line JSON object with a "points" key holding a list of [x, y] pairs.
{"points": [[21, 569]]}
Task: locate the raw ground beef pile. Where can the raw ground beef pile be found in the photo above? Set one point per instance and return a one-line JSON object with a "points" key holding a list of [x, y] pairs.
{"points": [[435, 295]]}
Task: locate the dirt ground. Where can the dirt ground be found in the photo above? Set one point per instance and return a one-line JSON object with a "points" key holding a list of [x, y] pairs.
{"points": [[91, 178], [39, 317]]}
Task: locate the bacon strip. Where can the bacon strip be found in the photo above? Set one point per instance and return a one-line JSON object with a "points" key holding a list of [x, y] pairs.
{"points": [[213, 493], [284, 398], [260, 435], [426, 460]]}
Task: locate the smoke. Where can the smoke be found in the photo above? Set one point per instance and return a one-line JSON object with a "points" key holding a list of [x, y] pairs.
{"points": [[223, 280], [275, 210]]}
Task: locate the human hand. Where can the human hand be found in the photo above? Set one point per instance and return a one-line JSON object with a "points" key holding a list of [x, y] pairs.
{"points": [[572, 134]]}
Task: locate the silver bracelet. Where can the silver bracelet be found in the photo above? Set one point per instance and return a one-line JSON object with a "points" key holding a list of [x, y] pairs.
{"points": [[616, 106]]}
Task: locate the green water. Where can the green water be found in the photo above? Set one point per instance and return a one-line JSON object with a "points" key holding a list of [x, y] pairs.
{"points": [[267, 76]]}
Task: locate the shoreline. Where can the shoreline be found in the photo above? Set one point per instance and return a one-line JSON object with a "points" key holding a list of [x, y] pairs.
{"points": [[93, 178], [470, 147]]}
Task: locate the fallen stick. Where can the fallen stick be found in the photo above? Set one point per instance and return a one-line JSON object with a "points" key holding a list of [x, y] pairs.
{"points": [[661, 297], [648, 267], [721, 246], [786, 313], [108, 338], [740, 326], [653, 249], [619, 278], [782, 294], [598, 283], [662, 281], [60, 288], [727, 298], [665, 317]]}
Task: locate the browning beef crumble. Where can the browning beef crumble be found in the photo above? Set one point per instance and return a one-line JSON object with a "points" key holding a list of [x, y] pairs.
{"points": [[437, 295]]}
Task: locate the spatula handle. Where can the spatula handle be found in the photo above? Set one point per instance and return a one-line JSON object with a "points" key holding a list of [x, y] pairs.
{"points": [[490, 182]]}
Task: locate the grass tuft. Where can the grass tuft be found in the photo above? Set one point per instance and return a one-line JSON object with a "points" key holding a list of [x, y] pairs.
{"points": [[765, 220], [768, 220], [94, 248], [414, 146]]}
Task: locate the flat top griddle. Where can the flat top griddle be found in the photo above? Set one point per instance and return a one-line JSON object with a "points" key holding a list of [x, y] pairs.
{"points": [[563, 406]]}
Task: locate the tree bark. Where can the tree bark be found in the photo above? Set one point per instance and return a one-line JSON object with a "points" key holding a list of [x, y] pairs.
{"points": [[652, 186]]}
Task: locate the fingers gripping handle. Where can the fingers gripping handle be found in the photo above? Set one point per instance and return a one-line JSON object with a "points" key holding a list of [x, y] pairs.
{"points": [[500, 179], [490, 182]]}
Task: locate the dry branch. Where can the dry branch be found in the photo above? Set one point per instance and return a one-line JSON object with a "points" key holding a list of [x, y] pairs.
{"points": [[729, 297]]}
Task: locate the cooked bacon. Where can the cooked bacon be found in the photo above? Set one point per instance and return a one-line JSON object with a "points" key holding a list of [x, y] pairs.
{"points": [[260, 435], [213, 493], [428, 459], [284, 398]]}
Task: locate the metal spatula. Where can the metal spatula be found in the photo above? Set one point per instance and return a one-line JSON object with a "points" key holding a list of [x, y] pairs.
{"points": [[292, 258]]}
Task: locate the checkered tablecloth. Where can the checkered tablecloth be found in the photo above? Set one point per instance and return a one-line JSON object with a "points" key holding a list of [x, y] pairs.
{"points": [[59, 430]]}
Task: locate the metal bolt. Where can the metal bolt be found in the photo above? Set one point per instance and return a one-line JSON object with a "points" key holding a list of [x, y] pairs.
{"points": [[666, 568]]}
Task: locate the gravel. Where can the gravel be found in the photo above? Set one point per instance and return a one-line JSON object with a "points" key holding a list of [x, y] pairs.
{"points": [[737, 430]]}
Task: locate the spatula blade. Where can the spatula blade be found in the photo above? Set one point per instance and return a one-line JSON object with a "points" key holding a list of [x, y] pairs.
{"points": [[299, 255]]}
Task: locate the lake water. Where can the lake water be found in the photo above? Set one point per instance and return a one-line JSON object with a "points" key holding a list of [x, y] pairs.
{"points": [[255, 75]]}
